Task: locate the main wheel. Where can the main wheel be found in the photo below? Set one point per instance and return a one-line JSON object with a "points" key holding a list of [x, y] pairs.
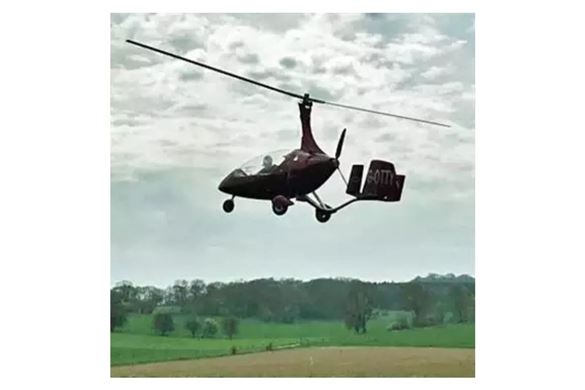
{"points": [[279, 208], [228, 206], [322, 216]]}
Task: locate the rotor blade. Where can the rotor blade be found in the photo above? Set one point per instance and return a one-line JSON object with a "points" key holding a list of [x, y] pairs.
{"points": [[340, 144], [381, 113], [217, 70], [343, 177], [288, 93]]}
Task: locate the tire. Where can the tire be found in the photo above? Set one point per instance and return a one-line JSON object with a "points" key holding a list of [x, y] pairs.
{"points": [[279, 208], [322, 216], [228, 206]]}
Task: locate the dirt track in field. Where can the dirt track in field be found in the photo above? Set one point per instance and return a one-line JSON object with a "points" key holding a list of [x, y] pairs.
{"points": [[319, 362]]}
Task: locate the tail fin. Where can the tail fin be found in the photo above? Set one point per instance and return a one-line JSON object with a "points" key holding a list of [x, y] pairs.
{"points": [[382, 182]]}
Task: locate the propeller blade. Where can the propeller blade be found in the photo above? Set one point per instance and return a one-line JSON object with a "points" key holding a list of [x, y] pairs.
{"points": [[343, 177], [340, 144], [295, 95], [381, 113]]}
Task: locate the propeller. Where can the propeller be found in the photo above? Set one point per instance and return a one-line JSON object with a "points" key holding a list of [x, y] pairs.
{"points": [[340, 144], [338, 153], [288, 93]]}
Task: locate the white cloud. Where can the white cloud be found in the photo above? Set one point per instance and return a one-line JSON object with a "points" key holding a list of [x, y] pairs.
{"points": [[434, 72]]}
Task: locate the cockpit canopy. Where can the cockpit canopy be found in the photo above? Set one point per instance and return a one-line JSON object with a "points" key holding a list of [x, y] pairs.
{"points": [[264, 164]]}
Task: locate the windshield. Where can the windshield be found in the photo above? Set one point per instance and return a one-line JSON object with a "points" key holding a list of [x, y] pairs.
{"points": [[265, 163]]}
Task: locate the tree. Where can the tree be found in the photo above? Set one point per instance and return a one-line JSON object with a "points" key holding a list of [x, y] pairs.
{"points": [[193, 325], [117, 310], [146, 299], [416, 299], [163, 323], [209, 328], [180, 293], [462, 300], [230, 326], [358, 309], [126, 291], [196, 288]]}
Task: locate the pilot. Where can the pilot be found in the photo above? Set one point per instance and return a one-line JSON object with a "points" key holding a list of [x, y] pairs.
{"points": [[267, 166]]}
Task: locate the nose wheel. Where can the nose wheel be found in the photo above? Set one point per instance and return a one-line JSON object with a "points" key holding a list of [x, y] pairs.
{"points": [[228, 205]]}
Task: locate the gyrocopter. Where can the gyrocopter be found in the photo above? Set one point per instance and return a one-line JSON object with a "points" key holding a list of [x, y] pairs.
{"points": [[280, 177]]}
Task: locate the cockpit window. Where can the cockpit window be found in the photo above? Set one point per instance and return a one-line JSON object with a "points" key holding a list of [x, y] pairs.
{"points": [[265, 163]]}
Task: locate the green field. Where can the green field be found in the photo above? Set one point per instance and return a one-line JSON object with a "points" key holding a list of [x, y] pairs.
{"points": [[136, 342]]}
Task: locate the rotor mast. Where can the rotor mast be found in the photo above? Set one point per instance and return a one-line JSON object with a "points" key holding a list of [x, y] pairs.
{"points": [[308, 143]]}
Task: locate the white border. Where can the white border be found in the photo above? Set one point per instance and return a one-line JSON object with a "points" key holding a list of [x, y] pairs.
{"points": [[55, 203]]}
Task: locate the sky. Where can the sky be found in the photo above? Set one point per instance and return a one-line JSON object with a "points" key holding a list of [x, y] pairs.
{"points": [[177, 130]]}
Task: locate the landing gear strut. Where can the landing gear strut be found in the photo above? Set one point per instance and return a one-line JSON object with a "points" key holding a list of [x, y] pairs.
{"points": [[228, 205], [322, 210], [321, 213]]}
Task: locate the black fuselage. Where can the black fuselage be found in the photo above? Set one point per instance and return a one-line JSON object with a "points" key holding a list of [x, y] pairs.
{"points": [[299, 174]]}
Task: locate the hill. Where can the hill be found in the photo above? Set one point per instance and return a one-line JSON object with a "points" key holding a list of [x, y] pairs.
{"points": [[447, 278]]}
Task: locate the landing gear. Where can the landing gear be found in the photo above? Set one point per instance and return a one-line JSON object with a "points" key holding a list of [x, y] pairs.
{"points": [[280, 204], [228, 205], [322, 215], [322, 210], [279, 209]]}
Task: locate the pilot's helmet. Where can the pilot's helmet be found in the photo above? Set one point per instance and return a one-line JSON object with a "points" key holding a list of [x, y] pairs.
{"points": [[267, 162]]}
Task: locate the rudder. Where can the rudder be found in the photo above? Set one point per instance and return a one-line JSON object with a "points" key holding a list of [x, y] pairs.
{"points": [[355, 180]]}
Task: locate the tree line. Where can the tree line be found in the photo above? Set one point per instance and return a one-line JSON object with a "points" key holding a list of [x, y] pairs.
{"points": [[430, 299], [163, 324]]}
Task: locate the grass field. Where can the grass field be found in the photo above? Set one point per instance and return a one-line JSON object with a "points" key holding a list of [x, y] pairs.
{"points": [[137, 343], [132, 349]]}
